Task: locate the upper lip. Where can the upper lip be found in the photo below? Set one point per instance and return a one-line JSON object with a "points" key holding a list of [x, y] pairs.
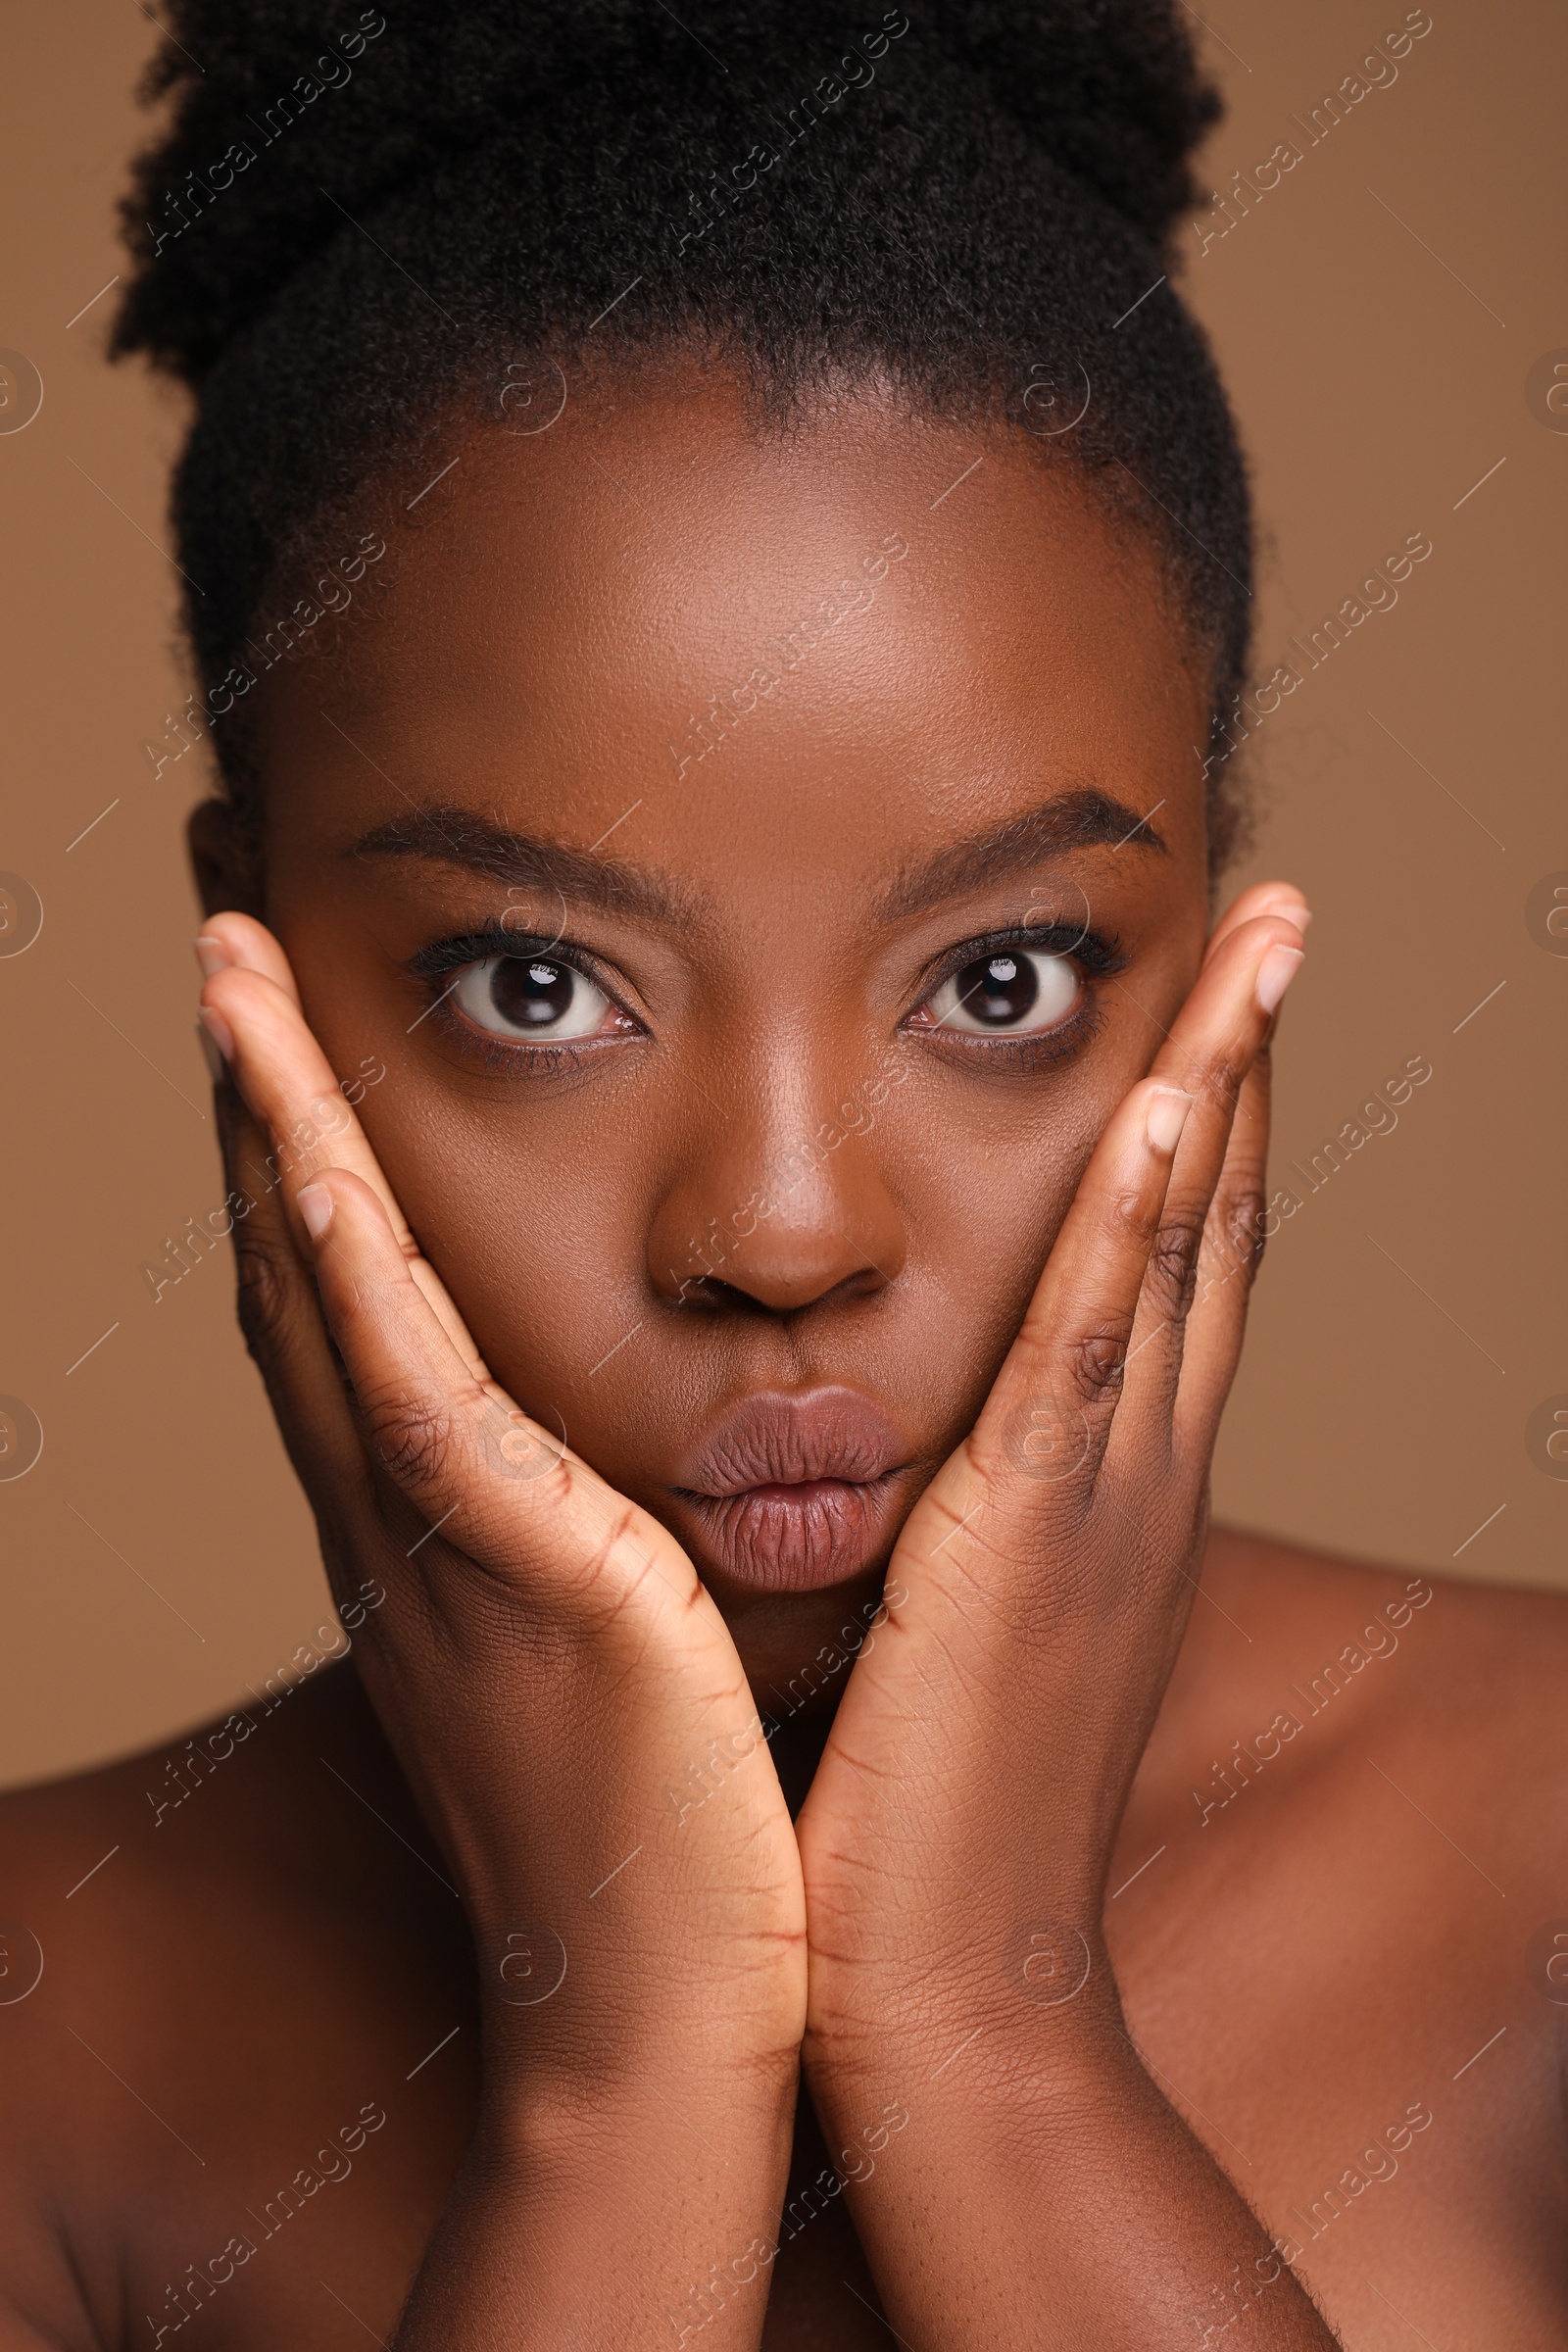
{"points": [[778, 1439]]}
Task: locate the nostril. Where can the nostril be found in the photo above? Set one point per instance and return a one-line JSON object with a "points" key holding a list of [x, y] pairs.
{"points": [[833, 1234], [707, 1291], [709, 1294]]}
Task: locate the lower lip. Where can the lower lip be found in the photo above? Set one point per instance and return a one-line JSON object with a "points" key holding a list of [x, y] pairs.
{"points": [[795, 1538]]}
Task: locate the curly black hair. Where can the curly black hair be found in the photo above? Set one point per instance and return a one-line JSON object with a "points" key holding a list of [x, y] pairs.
{"points": [[355, 225]]}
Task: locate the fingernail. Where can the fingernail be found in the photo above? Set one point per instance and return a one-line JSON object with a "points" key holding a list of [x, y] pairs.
{"points": [[315, 1207], [1275, 974], [219, 1030], [212, 956], [1166, 1116], [1291, 911]]}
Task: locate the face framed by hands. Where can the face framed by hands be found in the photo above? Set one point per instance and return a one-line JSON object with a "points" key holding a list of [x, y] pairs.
{"points": [[738, 1094]]}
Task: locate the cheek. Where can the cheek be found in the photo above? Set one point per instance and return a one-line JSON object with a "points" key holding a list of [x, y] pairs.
{"points": [[984, 1177], [540, 1205], [535, 1213]]}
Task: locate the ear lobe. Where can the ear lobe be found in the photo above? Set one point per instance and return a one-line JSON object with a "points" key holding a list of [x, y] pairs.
{"points": [[222, 861]]}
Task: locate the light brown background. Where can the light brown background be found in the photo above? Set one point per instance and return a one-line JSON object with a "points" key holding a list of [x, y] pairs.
{"points": [[159, 1559]]}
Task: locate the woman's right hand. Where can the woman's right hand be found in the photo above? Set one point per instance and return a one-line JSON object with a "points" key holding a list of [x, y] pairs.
{"points": [[563, 1698]]}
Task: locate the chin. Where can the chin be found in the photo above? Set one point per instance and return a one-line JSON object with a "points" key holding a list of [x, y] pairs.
{"points": [[797, 1649]]}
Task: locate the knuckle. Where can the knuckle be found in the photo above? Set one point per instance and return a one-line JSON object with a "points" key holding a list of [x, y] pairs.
{"points": [[419, 1440], [1094, 1363], [263, 1291], [1244, 1215], [1128, 1215], [1221, 1081], [1238, 1229], [1173, 1260]]}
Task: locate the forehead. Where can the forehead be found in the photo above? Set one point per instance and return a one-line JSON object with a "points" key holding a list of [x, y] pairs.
{"points": [[856, 638]]}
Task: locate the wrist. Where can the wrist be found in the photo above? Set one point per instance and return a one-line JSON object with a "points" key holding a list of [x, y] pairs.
{"points": [[540, 2102], [609, 2212], [1042, 2030], [603, 2013]]}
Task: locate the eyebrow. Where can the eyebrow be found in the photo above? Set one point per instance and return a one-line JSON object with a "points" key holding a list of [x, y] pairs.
{"points": [[1074, 820], [459, 837]]}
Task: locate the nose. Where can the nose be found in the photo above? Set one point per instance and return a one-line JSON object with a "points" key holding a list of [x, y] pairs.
{"points": [[767, 1213]]}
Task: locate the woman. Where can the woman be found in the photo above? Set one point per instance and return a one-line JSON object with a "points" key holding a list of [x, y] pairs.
{"points": [[720, 576]]}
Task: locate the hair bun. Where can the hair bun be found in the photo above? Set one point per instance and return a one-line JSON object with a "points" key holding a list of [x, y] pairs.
{"points": [[283, 119], [1110, 88], [351, 218]]}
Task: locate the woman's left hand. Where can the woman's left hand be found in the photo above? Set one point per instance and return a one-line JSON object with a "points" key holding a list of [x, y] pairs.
{"points": [[958, 1832]]}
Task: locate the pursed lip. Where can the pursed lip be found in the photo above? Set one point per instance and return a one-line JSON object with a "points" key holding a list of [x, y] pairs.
{"points": [[793, 1491]]}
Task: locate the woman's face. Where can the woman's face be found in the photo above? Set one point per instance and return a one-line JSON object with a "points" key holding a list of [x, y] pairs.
{"points": [[731, 848]]}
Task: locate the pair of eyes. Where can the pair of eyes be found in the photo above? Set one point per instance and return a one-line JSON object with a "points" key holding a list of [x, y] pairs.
{"points": [[543, 1000]]}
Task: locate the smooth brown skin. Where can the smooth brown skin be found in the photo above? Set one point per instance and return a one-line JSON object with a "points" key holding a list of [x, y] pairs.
{"points": [[1298, 1970]]}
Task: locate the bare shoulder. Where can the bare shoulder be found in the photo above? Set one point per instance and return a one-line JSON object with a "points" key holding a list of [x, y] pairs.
{"points": [[1452, 1693], [1338, 1917], [180, 1927], [119, 1862], [279, 1834], [156, 1870], [1483, 1652], [100, 1915]]}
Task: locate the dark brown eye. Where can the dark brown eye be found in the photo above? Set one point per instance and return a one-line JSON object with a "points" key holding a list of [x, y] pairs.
{"points": [[531, 997], [1012, 992]]}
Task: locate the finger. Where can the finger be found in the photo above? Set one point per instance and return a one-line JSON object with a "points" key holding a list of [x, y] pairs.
{"points": [[1058, 1388], [281, 1316], [1281, 898], [251, 1006], [289, 1085], [238, 938], [1212, 1046], [504, 1491], [1116, 1288], [1227, 1267]]}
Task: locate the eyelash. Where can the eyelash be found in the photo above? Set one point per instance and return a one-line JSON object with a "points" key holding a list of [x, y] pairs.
{"points": [[447, 957], [1098, 955]]}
